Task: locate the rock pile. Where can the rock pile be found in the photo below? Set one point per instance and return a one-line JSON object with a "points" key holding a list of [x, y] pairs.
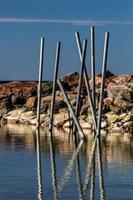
{"points": [[18, 101]]}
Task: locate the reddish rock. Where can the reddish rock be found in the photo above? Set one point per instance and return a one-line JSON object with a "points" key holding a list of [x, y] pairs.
{"points": [[98, 80], [111, 85], [121, 79], [24, 89], [49, 99], [31, 103]]}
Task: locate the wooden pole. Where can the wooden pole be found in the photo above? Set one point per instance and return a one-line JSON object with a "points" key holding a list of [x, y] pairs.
{"points": [[81, 133], [77, 110], [104, 65], [57, 57], [40, 80]]}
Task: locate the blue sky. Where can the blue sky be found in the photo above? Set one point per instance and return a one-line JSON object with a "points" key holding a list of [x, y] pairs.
{"points": [[22, 23]]}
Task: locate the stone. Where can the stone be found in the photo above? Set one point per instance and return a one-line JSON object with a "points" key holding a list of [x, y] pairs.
{"points": [[84, 110], [71, 79], [86, 125], [5, 106], [107, 102], [128, 118], [111, 86], [128, 126], [46, 103], [115, 109], [98, 80], [60, 119], [103, 124], [47, 88], [121, 79], [12, 120], [31, 103], [112, 117], [120, 103], [121, 91], [123, 115], [68, 124]]}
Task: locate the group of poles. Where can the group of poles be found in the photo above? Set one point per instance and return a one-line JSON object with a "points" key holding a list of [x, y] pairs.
{"points": [[76, 127]]}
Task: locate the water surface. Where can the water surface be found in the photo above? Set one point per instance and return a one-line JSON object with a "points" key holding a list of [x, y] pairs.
{"points": [[62, 171]]}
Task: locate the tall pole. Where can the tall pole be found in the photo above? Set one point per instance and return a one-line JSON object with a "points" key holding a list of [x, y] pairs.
{"points": [[93, 65], [57, 57], [92, 192], [40, 80], [77, 111], [104, 66]]}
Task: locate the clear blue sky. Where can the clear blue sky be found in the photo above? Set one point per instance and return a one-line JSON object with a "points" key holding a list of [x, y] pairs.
{"points": [[23, 22]]}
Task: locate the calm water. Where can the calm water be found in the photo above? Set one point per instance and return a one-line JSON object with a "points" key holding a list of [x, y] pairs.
{"points": [[62, 172]]}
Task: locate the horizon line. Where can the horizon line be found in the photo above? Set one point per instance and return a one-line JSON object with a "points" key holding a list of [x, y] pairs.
{"points": [[75, 22]]}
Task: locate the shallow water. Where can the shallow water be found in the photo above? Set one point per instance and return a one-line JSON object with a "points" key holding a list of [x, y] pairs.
{"points": [[62, 172]]}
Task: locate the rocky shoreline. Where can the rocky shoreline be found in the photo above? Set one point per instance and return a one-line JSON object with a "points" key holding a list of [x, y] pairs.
{"points": [[18, 101]]}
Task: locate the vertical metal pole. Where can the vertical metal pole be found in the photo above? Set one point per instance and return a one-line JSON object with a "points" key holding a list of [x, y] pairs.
{"points": [[39, 165], [94, 103], [40, 80], [81, 133], [77, 111], [93, 65], [54, 84], [104, 65]]}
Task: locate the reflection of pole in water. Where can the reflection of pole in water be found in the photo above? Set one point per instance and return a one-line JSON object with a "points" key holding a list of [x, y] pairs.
{"points": [[79, 177], [100, 167], [53, 169], [89, 168], [39, 165], [92, 190], [69, 168]]}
